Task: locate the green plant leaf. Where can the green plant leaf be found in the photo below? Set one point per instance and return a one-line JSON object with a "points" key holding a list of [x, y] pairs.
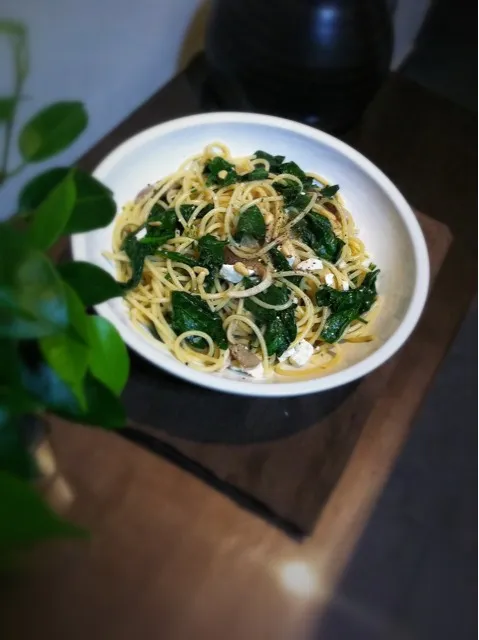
{"points": [[104, 408], [109, 361], [7, 107], [68, 352], [52, 130], [94, 205], [25, 517], [51, 217], [14, 456], [92, 284], [32, 298], [48, 389]]}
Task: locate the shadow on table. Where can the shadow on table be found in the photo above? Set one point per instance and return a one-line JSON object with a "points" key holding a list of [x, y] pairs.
{"points": [[160, 401]]}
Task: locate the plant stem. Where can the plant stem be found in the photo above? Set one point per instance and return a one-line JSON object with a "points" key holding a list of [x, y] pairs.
{"points": [[19, 49]]}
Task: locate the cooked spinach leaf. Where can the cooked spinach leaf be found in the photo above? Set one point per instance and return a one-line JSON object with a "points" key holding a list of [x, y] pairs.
{"points": [[136, 253], [177, 257], [280, 332], [293, 169], [317, 232], [251, 224], [281, 264], [160, 233], [274, 161], [281, 327], [299, 203], [211, 256], [187, 211], [214, 167], [258, 173], [346, 306], [137, 250], [330, 191], [289, 189], [336, 325], [190, 313]]}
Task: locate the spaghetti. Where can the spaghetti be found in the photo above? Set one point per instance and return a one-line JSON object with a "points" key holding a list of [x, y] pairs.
{"points": [[247, 263]]}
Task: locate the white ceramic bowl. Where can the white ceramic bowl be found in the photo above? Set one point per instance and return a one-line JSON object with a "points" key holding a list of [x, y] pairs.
{"points": [[387, 226]]}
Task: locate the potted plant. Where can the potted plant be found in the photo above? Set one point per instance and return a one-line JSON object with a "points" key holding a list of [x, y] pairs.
{"points": [[54, 357]]}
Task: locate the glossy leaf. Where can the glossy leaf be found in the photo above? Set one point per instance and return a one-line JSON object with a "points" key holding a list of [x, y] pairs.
{"points": [[109, 361], [94, 205], [104, 408], [14, 456], [52, 130], [68, 352], [92, 284], [25, 517], [52, 215], [7, 107], [32, 298], [48, 389]]}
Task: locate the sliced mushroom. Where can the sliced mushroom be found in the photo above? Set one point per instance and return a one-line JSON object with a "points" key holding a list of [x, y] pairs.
{"points": [[332, 208], [144, 192], [244, 357]]}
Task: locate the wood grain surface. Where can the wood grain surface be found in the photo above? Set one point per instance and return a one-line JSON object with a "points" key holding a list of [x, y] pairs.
{"points": [[171, 558]]}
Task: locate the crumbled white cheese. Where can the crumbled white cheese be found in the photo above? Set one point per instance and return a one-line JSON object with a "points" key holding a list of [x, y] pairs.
{"points": [[229, 273], [311, 264], [299, 354], [345, 285], [226, 361], [255, 372], [329, 279], [290, 260], [141, 233], [342, 264]]}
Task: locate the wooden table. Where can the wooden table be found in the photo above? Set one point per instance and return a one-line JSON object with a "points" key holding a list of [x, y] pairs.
{"points": [[170, 557]]}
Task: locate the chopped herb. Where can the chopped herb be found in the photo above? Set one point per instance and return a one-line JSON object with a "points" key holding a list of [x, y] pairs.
{"points": [[281, 327], [251, 224], [214, 167], [177, 257], [317, 232], [281, 264], [211, 257], [274, 161], [330, 191], [190, 313]]}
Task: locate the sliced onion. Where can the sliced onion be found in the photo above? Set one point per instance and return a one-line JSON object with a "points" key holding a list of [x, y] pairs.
{"points": [[247, 293]]}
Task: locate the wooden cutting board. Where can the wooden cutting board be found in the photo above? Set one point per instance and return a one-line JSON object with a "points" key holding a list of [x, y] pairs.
{"points": [[281, 457]]}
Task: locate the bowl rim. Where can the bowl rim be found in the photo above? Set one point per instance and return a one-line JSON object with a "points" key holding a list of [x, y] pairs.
{"points": [[138, 343]]}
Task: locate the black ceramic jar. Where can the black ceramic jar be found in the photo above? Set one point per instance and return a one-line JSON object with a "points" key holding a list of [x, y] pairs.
{"points": [[317, 61]]}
